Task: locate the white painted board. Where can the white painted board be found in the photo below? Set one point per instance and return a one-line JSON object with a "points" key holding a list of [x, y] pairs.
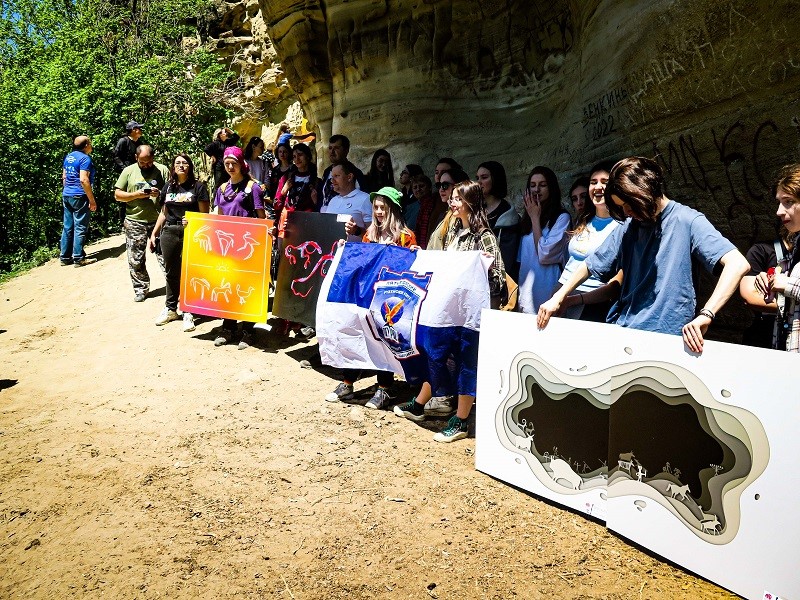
{"points": [[733, 521], [538, 465]]}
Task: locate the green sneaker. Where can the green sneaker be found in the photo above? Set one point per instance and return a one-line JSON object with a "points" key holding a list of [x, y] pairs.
{"points": [[410, 410], [456, 429]]}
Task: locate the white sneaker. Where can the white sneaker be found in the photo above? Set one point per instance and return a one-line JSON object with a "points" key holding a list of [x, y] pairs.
{"points": [[440, 406], [166, 316], [188, 322]]}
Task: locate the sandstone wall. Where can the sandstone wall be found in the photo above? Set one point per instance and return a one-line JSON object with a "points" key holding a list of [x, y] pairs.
{"points": [[708, 87], [260, 95]]}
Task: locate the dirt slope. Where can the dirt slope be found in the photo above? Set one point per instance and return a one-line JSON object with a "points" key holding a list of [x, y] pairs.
{"points": [[141, 462]]}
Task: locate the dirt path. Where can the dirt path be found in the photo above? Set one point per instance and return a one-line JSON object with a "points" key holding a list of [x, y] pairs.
{"points": [[141, 462]]}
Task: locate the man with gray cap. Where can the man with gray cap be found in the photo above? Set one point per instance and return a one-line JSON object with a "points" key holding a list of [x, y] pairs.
{"points": [[125, 151]]}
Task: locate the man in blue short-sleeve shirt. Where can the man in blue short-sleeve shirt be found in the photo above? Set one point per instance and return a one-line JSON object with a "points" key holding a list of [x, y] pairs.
{"points": [[654, 249], [77, 176]]}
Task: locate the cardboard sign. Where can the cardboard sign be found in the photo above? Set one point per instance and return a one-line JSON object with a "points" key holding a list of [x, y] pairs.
{"points": [[225, 269], [699, 449]]}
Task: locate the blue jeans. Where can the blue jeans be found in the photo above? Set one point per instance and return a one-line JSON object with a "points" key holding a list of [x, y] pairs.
{"points": [[76, 227]]}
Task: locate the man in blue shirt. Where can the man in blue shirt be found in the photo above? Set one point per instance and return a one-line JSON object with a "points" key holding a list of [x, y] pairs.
{"points": [[77, 177], [654, 248]]}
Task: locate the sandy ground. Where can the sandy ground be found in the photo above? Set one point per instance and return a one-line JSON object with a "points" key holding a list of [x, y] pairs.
{"points": [[142, 462]]}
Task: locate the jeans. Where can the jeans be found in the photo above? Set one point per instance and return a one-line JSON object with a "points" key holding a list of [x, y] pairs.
{"points": [[76, 227], [172, 249]]}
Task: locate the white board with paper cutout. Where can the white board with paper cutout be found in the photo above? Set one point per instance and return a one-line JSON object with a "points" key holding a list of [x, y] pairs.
{"points": [[690, 456]]}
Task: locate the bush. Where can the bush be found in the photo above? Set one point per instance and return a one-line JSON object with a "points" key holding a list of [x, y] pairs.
{"points": [[73, 67]]}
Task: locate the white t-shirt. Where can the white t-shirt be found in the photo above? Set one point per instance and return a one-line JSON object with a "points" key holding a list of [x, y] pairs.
{"points": [[357, 205], [584, 244]]}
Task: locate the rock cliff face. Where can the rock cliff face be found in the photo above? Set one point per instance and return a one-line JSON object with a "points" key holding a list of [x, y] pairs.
{"points": [[710, 88], [260, 95]]}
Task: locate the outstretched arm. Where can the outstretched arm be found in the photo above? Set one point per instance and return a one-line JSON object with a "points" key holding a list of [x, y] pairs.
{"points": [[549, 308], [735, 266], [606, 292]]}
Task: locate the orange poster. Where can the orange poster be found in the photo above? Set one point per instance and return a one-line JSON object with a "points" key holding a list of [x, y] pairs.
{"points": [[225, 270]]}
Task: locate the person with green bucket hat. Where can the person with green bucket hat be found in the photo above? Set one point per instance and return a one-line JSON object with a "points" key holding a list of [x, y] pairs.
{"points": [[387, 227]]}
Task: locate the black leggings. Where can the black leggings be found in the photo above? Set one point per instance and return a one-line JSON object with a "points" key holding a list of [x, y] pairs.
{"points": [[172, 248], [385, 378]]}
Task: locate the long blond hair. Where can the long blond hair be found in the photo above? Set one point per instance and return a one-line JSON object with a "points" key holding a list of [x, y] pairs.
{"points": [[393, 225]]}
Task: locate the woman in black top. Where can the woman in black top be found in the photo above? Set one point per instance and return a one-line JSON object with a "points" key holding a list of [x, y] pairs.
{"points": [[183, 193], [224, 138], [283, 156], [381, 172], [763, 256], [503, 218]]}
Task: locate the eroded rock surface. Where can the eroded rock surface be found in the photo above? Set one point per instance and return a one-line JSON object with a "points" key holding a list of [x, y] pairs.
{"points": [[260, 95], [710, 88]]}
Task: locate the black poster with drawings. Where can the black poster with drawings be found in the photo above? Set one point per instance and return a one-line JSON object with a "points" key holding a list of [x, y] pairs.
{"points": [[306, 253]]}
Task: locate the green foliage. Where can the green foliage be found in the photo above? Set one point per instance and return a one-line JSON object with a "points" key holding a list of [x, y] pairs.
{"points": [[72, 67]]}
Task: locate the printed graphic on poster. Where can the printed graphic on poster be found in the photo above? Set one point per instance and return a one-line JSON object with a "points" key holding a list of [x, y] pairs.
{"points": [[306, 254], [391, 309], [225, 270], [699, 461]]}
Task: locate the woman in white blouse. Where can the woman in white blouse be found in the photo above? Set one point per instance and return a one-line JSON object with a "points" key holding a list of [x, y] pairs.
{"points": [[542, 248]]}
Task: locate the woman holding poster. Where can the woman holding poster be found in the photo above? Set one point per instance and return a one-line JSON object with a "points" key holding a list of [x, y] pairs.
{"points": [[469, 230], [387, 227], [183, 193], [784, 287], [240, 196], [593, 299]]}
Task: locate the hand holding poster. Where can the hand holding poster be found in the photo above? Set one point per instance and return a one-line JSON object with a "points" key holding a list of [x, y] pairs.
{"points": [[226, 267], [391, 309]]}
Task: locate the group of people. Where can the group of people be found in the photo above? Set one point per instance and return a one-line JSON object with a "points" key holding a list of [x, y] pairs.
{"points": [[623, 255]]}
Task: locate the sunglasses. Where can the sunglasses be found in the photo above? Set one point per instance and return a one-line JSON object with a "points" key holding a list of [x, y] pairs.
{"points": [[444, 185]]}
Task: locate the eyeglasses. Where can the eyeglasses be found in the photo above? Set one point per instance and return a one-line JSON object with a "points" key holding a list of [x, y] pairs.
{"points": [[444, 185]]}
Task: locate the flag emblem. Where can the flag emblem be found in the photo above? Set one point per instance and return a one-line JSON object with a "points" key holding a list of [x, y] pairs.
{"points": [[395, 307]]}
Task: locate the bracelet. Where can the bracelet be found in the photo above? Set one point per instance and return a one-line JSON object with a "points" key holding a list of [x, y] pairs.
{"points": [[582, 300], [707, 312]]}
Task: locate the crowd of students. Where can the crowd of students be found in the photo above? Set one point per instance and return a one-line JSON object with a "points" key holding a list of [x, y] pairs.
{"points": [[623, 255]]}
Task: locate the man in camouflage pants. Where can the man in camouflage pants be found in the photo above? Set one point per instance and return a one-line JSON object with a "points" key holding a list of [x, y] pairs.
{"points": [[139, 186]]}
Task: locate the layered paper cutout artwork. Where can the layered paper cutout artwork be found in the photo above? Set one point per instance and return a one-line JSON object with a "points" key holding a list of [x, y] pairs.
{"points": [[690, 456]]}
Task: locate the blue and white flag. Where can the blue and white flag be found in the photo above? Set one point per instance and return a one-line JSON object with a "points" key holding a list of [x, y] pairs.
{"points": [[414, 313]]}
